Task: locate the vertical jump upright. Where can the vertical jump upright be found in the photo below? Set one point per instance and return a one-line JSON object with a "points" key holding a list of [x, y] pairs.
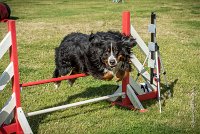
{"points": [[136, 92], [19, 123], [129, 100], [126, 31]]}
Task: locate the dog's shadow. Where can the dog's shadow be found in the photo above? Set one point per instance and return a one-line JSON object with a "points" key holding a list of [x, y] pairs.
{"points": [[90, 92], [93, 92], [13, 17], [170, 88], [166, 93]]}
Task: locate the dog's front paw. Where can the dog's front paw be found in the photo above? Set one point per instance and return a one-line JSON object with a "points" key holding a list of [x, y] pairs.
{"points": [[120, 75], [108, 75]]}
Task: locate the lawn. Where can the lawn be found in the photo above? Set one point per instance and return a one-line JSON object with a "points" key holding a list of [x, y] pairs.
{"points": [[41, 25]]}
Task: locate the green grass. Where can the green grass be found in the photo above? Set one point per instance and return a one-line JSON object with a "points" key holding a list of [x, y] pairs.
{"points": [[42, 25]]}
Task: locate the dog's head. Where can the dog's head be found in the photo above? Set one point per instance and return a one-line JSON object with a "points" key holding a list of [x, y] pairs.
{"points": [[107, 51], [110, 54], [112, 47], [104, 55]]}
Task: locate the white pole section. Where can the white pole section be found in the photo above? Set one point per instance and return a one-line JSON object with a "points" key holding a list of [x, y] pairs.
{"points": [[158, 81], [140, 42], [74, 104]]}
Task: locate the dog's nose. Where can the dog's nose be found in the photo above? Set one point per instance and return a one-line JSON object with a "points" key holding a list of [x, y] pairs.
{"points": [[112, 62]]}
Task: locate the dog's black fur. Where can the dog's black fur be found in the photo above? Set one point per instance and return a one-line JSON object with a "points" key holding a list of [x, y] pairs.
{"points": [[82, 53]]}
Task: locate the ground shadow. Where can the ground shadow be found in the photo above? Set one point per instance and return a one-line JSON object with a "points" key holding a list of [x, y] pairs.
{"points": [[94, 92], [36, 121], [170, 88], [166, 93], [13, 18], [91, 92]]}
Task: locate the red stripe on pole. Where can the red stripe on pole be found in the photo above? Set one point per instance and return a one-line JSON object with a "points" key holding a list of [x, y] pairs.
{"points": [[158, 72], [126, 31], [126, 23], [15, 79], [148, 96], [52, 80], [14, 59]]}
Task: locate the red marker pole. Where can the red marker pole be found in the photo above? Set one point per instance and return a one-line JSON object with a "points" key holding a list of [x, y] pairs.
{"points": [[126, 31], [52, 80]]}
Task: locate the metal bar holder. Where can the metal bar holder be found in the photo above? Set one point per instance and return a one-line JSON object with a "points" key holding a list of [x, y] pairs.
{"points": [[151, 61], [154, 61]]}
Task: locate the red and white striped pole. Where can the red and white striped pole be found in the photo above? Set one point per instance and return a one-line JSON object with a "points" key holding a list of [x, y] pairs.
{"points": [[15, 79]]}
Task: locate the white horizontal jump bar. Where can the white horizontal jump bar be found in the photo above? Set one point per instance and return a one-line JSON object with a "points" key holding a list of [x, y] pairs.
{"points": [[6, 76], [7, 109], [139, 40], [5, 44], [73, 104]]}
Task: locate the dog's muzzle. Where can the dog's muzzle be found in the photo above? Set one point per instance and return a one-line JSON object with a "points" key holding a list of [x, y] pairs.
{"points": [[112, 61]]}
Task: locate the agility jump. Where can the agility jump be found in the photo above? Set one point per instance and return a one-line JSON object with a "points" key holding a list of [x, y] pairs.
{"points": [[12, 117]]}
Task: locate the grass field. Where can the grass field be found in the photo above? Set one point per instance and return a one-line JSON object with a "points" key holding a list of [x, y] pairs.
{"points": [[41, 25]]}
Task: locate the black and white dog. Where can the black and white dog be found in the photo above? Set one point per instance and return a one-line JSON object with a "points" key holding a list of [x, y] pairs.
{"points": [[95, 54]]}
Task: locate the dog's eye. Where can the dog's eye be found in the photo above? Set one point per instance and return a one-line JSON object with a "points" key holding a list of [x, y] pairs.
{"points": [[115, 50], [121, 58], [106, 54]]}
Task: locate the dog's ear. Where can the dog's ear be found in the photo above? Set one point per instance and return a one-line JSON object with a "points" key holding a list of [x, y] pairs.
{"points": [[93, 39], [128, 41]]}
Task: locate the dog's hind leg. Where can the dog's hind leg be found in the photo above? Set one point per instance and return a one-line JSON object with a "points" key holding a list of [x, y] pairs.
{"points": [[61, 72], [71, 81], [56, 75]]}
